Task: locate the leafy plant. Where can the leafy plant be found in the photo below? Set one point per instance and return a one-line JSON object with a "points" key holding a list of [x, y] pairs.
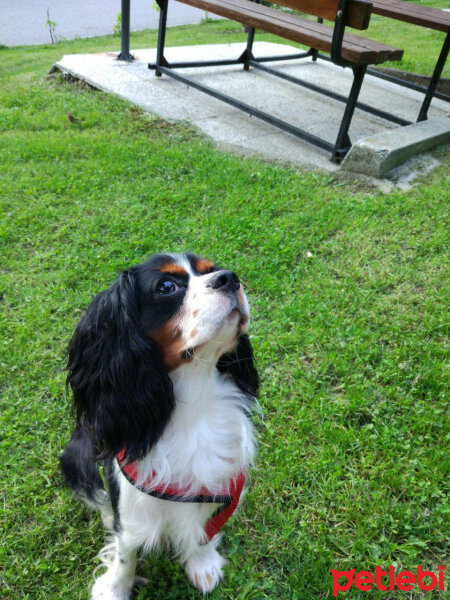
{"points": [[117, 27], [51, 25]]}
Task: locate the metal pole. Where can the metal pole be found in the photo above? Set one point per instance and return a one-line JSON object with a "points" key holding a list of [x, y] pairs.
{"points": [[125, 32], [248, 52], [160, 60], [338, 33], [341, 98], [423, 114], [231, 61], [314, 51], [343, 143]]}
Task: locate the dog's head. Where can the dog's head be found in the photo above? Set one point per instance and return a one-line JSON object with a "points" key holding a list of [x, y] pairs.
{"points": [[170, 311]]}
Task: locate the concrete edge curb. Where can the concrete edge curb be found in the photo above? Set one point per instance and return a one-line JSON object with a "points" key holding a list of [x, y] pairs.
{"points": [[379, 154]]}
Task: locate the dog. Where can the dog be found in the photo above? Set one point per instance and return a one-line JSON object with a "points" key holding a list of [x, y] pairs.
{"points": [[164, 387]]}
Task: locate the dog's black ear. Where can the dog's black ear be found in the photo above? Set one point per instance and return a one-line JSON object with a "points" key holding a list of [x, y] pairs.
{"points": [[240, 365], [122, 394]]}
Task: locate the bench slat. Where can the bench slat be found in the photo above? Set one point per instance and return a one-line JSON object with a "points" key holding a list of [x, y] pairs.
{"points": [[358, 11], [426, 16], [355, 49]]}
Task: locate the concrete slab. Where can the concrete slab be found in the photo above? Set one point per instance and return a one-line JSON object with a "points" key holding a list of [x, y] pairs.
{"points": [[230, 127], [379, 154]]}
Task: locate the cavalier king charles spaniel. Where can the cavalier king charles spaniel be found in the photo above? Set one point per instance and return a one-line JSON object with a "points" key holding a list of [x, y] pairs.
{"points": [[164, 385]]}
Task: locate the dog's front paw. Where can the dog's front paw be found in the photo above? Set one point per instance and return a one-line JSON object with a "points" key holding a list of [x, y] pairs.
{"points": [[205, 573], [108, 588]]}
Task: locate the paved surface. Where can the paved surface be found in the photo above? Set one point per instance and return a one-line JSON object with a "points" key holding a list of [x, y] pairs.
{"points": [[22, 22], [233, 129]]}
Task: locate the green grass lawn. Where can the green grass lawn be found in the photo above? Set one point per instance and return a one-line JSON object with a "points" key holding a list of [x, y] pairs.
{"points": [[348, 293]]}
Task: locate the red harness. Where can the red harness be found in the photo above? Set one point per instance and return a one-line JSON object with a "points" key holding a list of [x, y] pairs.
{"points": [[228, 501]]}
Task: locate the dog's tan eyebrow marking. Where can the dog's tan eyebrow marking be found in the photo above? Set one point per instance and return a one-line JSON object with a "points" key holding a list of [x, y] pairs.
{"points": [[173, 269], [203, 266]]}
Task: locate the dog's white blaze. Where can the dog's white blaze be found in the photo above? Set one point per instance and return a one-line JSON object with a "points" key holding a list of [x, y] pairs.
{"points": [[207, 313]]}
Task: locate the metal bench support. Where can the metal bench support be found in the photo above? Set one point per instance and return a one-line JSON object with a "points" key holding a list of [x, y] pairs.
{"points": [[342, 144], [423, 114], [321, 90], [125, 32], [430, 91]]}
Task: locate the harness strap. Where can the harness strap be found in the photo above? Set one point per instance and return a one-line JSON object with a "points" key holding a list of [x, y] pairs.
{"points": [[228, 500]]}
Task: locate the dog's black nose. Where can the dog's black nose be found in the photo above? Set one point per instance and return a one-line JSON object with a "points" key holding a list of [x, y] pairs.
{"points": [[225, 281]]}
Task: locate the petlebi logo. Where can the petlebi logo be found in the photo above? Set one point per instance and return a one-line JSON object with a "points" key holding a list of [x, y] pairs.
{"points": [[388, 580]]}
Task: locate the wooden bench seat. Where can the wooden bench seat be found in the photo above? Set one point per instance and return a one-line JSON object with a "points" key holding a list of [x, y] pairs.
{"points": [[355, 49], [417, 14]]}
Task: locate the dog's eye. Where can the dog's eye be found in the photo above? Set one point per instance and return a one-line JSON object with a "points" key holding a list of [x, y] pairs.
{"points": [[166, 287]]}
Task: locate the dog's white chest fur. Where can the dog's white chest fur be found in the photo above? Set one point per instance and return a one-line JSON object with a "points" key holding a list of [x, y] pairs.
{"points": [[209, 440]]}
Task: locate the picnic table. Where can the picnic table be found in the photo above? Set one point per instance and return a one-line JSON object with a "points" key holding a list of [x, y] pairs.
{"points": [[341, 47], [333, 43]]}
